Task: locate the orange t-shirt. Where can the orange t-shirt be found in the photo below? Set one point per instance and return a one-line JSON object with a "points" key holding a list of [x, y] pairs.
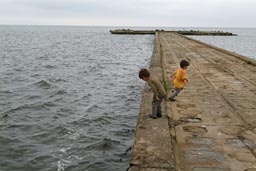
{"points": [[179, 78]]}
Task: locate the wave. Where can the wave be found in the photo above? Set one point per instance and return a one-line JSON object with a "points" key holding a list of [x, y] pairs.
{"points": [[57, 80], [49, 136], [121, 96], [93, 108], [43, 84], [34, 106], [58, 92], [5, 92], [5, 140], [101, 120], [104, 144], [124, 132], [130, 100], [86, 96], [50, 66]]}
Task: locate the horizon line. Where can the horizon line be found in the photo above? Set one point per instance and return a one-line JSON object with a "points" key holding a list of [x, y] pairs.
{"points": [[60, 25]]}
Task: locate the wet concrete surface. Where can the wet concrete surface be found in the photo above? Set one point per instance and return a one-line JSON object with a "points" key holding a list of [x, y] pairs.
{"points": [[211, 125], [152, 149]]}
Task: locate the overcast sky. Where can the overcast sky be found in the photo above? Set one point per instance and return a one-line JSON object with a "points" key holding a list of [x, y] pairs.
{"points": [[179, 13]]}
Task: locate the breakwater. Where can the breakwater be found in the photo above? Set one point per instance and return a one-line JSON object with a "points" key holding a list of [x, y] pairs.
{"points": [[182, 32], [211, 125]]}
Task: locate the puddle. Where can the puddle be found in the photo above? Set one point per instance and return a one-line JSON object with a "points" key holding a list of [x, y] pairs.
{"points": [[191, 119], [186, 106], [194, 129], [204, 156], [239, 143], [189, 113], [207, 169], [230, 130], [236, 82], [200, 141]]}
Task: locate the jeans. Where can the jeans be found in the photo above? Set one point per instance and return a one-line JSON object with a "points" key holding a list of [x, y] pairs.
{"points": [[175, 92], [156, 107]]}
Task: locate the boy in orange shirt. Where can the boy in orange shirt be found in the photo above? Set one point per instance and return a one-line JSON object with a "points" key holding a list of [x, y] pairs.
{"points": [[179, 79]]}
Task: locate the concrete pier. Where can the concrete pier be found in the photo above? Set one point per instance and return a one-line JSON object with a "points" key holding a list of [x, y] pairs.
{"points": [[212, 125]]}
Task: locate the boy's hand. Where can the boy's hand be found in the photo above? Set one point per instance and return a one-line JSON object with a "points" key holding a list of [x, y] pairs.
{"points": [[186, 80], [157, 98]]}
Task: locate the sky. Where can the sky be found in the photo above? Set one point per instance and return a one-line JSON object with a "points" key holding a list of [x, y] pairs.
{"points": [[165, 13]]}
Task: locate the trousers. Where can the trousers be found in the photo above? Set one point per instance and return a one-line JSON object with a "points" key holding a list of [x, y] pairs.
{"points": [[156, 107], [175, 92]]}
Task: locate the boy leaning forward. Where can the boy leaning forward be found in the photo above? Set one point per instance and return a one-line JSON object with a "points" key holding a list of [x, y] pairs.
{"points": [[158, 91]]}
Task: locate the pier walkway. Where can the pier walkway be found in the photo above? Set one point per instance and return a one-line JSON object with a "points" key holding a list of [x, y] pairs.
{"points": [[212, 124]]}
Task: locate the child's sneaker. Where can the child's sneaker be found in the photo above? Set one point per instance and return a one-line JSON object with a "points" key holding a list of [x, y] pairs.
{"points": [[171, 99], [159, 115], [153, 117]]}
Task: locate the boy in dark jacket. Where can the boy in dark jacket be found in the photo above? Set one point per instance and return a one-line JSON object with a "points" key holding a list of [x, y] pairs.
{"points": [[158, 90]]}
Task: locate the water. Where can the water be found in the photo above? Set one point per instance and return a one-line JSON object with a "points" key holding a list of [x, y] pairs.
{"points": [[244, 43], [70, 96]]}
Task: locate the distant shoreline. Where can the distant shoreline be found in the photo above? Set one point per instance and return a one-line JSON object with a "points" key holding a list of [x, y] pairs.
{"points": [[182, 32]]}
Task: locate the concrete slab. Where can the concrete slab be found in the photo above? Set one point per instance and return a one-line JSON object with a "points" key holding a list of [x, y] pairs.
{"points": [[222, 99], [152, 149]]}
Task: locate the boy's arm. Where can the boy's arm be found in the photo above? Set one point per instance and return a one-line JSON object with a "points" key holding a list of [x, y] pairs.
{"points": [[151, 84], [184, 77], [173, 74]]}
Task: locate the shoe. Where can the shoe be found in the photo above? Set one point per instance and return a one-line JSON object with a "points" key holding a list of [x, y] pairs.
{"points": [[153, 117], [159, 115], [171, 99]]}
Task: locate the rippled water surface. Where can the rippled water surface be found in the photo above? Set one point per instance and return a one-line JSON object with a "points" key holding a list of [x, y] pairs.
{"points": [[244, 43], [69, 97]]}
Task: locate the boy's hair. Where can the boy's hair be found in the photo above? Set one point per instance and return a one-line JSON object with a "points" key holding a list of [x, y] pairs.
{"points": [[144, 73], [184, 63]]}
